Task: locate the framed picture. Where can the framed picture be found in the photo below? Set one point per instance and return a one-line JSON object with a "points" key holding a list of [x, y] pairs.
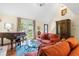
{"points": [[64, 12], [45, 28]]}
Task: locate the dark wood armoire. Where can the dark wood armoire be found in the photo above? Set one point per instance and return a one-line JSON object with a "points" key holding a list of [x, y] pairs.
{"points": [[63, 28]]}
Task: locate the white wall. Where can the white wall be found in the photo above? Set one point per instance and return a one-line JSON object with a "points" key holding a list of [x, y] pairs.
{"points": [[41, 25], [75, 26], [8, 19]]}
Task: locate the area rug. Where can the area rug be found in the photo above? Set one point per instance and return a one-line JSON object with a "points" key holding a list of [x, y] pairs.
{"points": [[3, 50], [24, 49]]}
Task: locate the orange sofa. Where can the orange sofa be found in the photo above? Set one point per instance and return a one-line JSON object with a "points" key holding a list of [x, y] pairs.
{"points": [[68, 47]]}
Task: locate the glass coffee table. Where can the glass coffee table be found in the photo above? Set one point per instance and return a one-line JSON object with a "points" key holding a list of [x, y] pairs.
{"points": [[27, 47]]}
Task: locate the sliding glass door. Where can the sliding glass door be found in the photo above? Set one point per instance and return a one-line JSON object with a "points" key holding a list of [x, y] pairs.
{"points": [[27, 26]]}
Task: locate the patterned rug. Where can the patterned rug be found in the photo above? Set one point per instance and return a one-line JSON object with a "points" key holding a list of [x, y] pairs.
{"points": [[27, 46]]}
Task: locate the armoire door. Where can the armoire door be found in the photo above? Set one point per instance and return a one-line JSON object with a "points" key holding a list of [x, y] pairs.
{"points": [[63, 28]]}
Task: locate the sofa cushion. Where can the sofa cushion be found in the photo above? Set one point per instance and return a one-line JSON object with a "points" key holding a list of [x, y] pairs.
{"points": [[58, 49], [72, 42], [54, 38], [75, 51]]}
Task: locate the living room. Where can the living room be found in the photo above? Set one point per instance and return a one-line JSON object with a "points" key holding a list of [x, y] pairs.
{"points": [[22, 28]]}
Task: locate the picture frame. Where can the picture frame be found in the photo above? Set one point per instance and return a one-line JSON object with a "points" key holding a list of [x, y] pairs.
{"points": [[63, 12]]}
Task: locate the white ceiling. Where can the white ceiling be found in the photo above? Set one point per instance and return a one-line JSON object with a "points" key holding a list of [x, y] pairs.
{"points": [[33, 10]]}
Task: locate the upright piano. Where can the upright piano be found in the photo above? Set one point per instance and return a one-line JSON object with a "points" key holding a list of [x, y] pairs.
{"points": [[11, 36]]}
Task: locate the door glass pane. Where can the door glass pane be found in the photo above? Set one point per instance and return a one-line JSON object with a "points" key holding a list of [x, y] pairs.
{"points": [[26, 26]]}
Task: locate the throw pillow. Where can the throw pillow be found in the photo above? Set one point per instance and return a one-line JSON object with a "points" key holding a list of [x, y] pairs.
{"points": [[75, 51], [72, 42]]}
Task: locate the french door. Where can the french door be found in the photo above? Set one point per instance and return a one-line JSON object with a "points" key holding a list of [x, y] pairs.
{"points": [[27, 26]]}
